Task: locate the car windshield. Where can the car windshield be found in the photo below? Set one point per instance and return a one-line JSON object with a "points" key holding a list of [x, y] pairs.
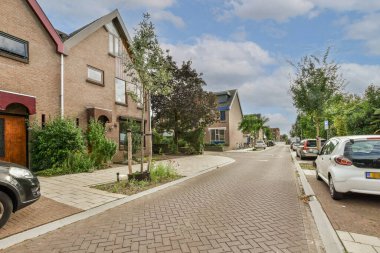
{"points": [[312, 143], [364, 154], [260, 142]]}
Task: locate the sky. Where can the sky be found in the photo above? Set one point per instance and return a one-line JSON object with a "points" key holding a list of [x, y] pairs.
{"points": [[248, 44]]}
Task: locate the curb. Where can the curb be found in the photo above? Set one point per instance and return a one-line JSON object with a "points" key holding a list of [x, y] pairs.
{"points": [[43, 229], [329, 237]]}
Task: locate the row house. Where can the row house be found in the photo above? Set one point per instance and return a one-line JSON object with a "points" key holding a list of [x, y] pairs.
{"points": [[45, 73], [226, 129]]}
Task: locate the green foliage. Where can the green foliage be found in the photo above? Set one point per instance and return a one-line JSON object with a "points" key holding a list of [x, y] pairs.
{"points": [[163, 172], [316, 82], [135, 128], [102, 149], [187, 107], [52, 145], [195, 140]]}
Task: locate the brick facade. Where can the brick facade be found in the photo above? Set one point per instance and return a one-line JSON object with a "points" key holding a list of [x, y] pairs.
{"points": [[40, 77]]}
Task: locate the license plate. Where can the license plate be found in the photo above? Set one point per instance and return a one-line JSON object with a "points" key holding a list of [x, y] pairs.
{"points": [[372, 175]]}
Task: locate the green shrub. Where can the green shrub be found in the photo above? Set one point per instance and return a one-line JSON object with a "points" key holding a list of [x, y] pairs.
{"points": [[162, 172], [78, 162], [52, 145], [102, 149], [195, 140]]}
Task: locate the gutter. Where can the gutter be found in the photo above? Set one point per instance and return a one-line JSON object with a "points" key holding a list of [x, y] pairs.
{"points": [[62, 87]]}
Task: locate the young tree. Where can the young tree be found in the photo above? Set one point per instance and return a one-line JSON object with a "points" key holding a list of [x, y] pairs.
{"points": [[188, 107], [252, 123], [316, 82], [148, 70]]}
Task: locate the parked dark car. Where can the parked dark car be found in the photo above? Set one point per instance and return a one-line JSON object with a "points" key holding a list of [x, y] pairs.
{"points": [[271, 143], [18, 189]]}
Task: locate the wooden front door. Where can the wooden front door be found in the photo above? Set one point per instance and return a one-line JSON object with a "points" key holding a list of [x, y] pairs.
{"points": [[13, 139]]}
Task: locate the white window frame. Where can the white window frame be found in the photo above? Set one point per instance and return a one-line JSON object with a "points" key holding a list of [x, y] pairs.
{"points": [[89, 79]]}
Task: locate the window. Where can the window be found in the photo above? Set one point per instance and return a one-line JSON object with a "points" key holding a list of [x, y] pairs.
{"points": [[114, 44], [121, 95], [217, 136], [2, 138], [43, 120], [222, 115], [95, 75], [135, 89], [135, 127], [13, 47]]}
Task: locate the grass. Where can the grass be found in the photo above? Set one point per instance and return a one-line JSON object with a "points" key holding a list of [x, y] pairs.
{"points": [[160, 174], [307, 166]]}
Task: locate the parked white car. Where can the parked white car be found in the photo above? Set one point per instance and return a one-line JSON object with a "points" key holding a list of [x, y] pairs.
{"points": [[350, 164], [260, 144]]}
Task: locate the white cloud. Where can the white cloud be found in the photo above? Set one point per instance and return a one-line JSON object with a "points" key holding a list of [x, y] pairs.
{"points": [[281, 10], [74, 14], [358, 77], [223, 62], [168, 16], [273, 9], [366, 29]]}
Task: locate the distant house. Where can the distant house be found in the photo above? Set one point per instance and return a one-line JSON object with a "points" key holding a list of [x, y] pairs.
{"points": [[225, 130], [276, 134]]}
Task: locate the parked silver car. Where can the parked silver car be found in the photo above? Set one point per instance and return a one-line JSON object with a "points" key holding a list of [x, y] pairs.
{"points": [[260, 144], [308, 148], [350, 164]]}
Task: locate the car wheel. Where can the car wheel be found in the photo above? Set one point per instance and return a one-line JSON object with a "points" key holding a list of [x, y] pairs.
{"points": [[6, 207], [317, 175], [333, 193], [302, 158]]}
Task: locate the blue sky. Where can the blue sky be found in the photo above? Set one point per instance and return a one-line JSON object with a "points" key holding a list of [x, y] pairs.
{"points": [[246, 44]]}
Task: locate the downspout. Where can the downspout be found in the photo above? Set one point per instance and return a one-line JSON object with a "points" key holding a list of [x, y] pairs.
{"points": [[62, 88]]}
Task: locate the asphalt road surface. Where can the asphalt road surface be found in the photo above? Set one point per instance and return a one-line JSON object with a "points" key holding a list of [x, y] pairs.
{"points": [[252, 205]]}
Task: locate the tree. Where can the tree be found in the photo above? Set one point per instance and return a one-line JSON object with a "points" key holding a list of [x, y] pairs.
{"points": [[252, 123], [148, 70], [316, 82], [188, 107]]}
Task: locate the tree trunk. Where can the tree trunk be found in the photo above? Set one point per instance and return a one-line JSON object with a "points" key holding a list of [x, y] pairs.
{"points": [[129, 136], [142, 130], [150, 142], [318, 138]]}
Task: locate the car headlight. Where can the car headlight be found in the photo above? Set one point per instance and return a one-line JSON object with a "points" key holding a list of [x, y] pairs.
{"points": [[20, 173]]}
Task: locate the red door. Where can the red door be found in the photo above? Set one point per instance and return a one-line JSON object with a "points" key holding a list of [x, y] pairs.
{"points": [[13, 139]]}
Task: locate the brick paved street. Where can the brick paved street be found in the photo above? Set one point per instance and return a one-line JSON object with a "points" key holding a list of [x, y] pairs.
{"points": [[249, 206]]}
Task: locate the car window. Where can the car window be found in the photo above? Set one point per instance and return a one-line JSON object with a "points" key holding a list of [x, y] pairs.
{"points": [[312, 143], [363, 154], [325, 148]]}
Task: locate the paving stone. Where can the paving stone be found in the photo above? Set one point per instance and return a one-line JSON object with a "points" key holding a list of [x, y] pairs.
{"points": [[245, 206], [365, 239], [353, 247]]}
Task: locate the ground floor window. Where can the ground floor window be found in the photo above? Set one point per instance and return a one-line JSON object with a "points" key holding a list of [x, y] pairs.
{"points": [[135, 127], [217, 136]]}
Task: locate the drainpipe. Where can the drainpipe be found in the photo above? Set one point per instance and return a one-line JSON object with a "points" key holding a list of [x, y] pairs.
{"points": [[62, 87]]}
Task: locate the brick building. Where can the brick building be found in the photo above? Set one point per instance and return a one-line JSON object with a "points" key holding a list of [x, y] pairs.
{"points": [[276, 134], [46, 74], [225, 130]]}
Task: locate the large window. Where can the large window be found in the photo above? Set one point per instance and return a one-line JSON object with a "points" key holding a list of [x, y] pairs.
{"points": [[95, 75], [135, 127], [121, 95], [13, 47], [113, 40], [217, 136]]}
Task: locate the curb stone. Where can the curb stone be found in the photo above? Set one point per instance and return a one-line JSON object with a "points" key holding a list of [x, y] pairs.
{"points": [[43, 229], [328, 235]]}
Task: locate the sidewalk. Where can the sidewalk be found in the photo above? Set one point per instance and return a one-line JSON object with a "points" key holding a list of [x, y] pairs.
{"points": [[74, 190], [353, 242]]}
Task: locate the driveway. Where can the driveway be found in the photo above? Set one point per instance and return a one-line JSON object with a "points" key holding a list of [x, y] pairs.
{"points": [[251, 205]]}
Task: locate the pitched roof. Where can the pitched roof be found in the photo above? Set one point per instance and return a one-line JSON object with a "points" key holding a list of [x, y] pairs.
{"points": [[82, 33], [225, 105], [46, 24]]}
